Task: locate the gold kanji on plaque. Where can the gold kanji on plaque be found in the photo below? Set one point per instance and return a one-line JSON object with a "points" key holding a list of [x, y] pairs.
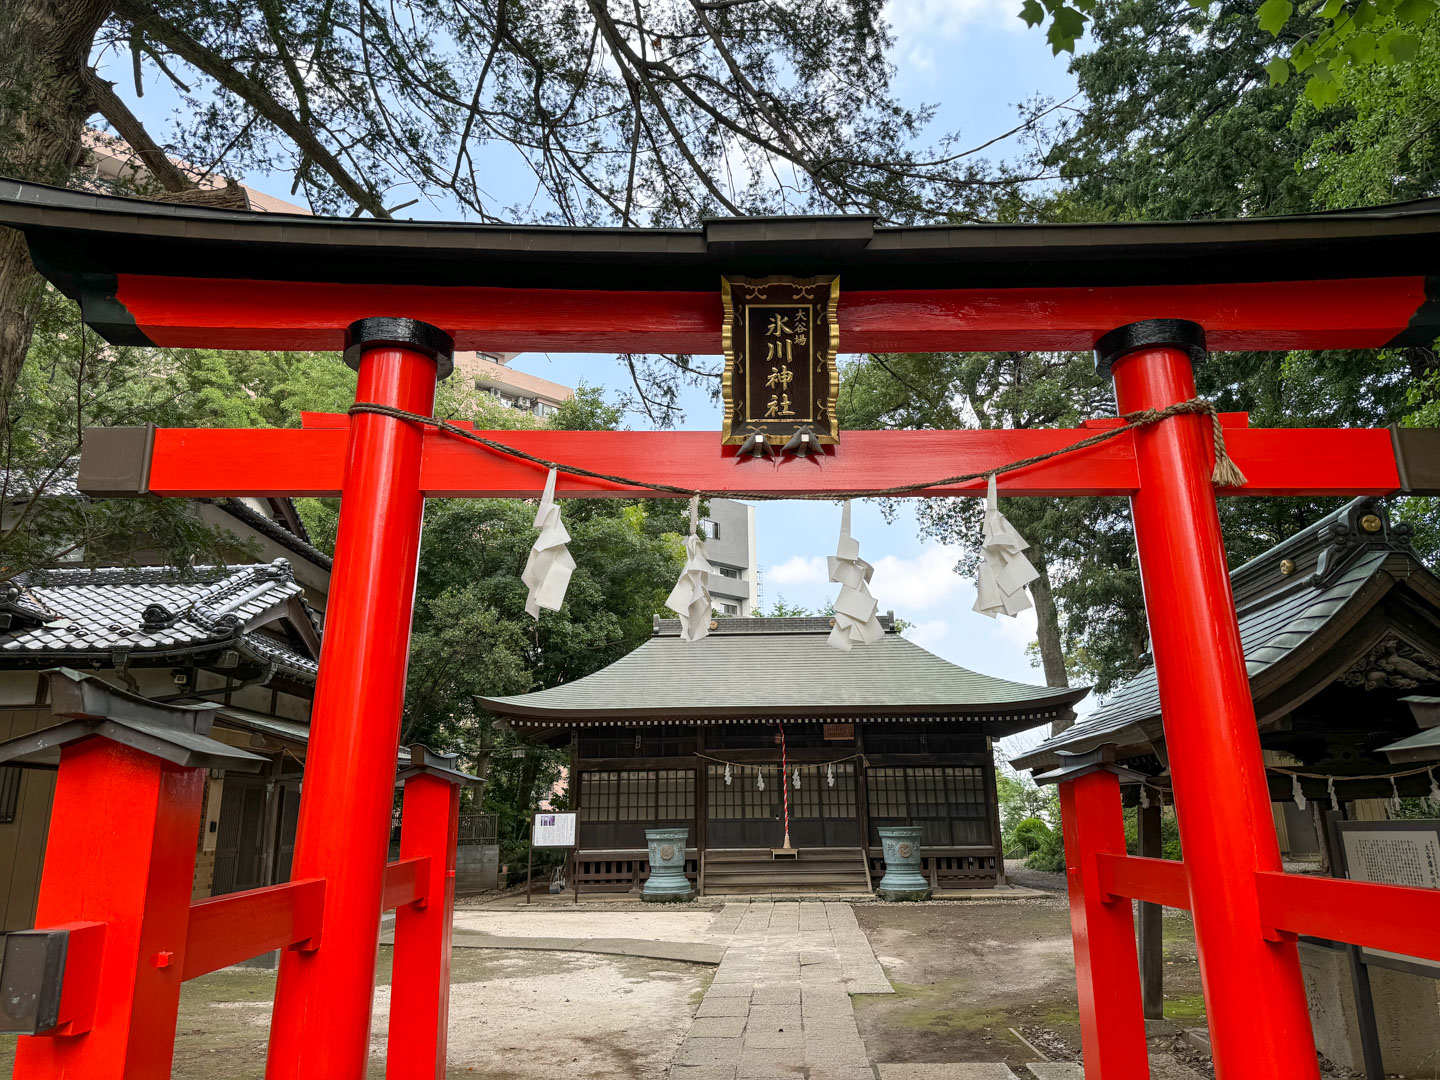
{"points": [[780, 337]]}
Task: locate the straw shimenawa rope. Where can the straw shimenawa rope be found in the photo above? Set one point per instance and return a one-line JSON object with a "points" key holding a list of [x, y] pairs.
{"points": [[1225, 474]]}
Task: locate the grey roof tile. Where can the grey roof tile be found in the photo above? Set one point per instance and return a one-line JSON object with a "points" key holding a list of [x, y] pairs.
{"points": [[1277, 615], [749, 667], [96, 611]]}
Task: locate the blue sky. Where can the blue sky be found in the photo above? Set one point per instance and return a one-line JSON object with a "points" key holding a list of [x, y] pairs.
{"points": [[975, 61]]}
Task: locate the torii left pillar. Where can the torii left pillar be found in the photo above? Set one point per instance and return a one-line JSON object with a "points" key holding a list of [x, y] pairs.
{"points": [[321, 1026]]}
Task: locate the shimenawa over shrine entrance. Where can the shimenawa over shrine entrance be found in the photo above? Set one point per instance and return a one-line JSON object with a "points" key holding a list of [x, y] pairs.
{"points": [[399, 296]]}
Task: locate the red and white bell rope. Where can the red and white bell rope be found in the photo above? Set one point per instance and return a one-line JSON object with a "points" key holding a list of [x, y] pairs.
{"points": [[785, 784]]}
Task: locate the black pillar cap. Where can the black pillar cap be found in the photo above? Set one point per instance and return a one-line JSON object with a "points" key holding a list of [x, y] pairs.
{"points": [[391, 330], [1150, 334], [1073, 765]]}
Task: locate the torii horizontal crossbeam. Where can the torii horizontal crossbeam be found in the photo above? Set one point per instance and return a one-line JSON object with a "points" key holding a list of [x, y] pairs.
{"points": [[194, 312], [311, 461]]}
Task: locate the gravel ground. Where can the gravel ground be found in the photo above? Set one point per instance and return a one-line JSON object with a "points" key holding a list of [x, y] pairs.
{"points": [[513, 1016], [1017, 874], [655, 923]]}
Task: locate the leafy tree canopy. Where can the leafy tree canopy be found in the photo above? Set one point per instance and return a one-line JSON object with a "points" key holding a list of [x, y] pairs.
{"points": [[1326, 41]]}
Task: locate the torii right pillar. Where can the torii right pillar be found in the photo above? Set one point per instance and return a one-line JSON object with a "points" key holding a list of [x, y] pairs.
{"points": [[1254, 994]]}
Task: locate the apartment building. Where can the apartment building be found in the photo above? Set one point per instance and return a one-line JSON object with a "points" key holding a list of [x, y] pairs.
{"points": [[730, 547]]}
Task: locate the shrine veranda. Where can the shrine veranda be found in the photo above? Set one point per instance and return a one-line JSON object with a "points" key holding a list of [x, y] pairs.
{"points": [[398, 297]]}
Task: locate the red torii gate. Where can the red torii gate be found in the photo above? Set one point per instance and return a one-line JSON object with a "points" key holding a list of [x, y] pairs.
{"points": [[1123, 291]]}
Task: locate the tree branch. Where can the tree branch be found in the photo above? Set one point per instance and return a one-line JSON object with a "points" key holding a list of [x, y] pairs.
{"points": [[253, 93], [103, 97]]}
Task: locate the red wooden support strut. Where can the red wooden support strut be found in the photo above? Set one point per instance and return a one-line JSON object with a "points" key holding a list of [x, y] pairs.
{"points": [[1255, 999], [144, 857], [1107, 967], [225, 930], [420, 979], [321, 1026]]}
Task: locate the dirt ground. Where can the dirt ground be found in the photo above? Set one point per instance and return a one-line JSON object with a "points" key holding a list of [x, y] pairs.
{"points": [[513, 1016], [969, 976]]}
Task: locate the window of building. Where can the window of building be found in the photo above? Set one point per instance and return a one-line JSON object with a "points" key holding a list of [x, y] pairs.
{"points": [[741, 798], [729, 609], [710, 528], [949, 803], [639, 795], [729, 571]]}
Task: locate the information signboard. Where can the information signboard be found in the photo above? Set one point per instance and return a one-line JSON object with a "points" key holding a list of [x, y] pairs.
{"points": [[1393, 853], [551, 830]]}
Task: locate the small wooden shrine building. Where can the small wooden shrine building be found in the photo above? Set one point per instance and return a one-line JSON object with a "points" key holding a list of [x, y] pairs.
{"points": [[690, 734], [1341, 629]]}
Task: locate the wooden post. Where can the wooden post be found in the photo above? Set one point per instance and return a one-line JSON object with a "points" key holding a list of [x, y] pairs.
{"points": [[702, 808], [862, 792], [271, 828], [130, 869], [1151, 938], [323, 996], [1254, 992], [1112, 1032], [992, 795], [420, 981]]}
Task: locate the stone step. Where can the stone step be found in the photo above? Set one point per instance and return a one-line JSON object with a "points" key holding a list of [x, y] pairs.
{"points": [[1056, 1070], [1162, 1067], [814, 873]]}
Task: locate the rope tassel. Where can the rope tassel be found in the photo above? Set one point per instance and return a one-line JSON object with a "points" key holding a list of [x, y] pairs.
{"points": [[1226, 473]]}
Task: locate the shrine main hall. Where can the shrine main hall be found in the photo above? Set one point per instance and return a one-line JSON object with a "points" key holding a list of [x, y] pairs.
{"points": [[689, 734]]}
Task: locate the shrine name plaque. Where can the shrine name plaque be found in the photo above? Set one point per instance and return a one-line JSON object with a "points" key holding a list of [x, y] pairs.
{"points": [[780, 337], [1393, 853]]}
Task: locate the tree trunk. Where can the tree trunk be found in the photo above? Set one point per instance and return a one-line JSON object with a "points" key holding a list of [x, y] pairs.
{"points": [[44, 53], [1047, 633]]}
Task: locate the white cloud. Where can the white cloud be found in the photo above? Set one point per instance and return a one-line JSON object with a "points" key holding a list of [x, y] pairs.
{"points": [[929, 633], [1018, 631], [798, 570], [923, 28], [920, 583]]}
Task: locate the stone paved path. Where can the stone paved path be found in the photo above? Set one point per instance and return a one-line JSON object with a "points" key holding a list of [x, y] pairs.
{"points": [[780, 1003]]}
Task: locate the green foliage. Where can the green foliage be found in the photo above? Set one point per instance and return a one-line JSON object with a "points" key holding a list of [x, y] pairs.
{"points": [[1387, 147], [1176, 124], [1169, 833], [72, 380], [473, 638], [1030, 835], [1022, 801], [1050, 855], [1352, 38], [1327, 43], [780, 609], [660, 113]]}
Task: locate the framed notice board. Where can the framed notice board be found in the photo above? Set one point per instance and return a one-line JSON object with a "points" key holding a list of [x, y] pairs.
{"points": [[1393, 853], [552, 830], [549, 829]]}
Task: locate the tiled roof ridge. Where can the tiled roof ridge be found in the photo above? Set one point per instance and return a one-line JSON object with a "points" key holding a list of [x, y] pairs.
{"points": [[1334, 540], [208, 612], [126, 575], [277, 531], [212, 609], [763, 624]]}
